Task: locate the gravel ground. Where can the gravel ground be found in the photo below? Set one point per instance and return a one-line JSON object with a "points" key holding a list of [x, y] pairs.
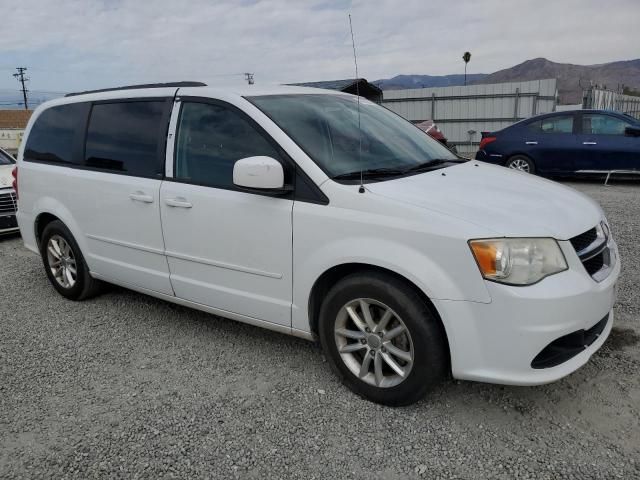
{"points": [[128, 386]]}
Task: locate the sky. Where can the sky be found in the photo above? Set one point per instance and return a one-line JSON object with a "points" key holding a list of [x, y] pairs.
{"points": [[70, 45]]}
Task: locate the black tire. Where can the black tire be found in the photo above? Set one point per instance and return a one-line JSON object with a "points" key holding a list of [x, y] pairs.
{"points": [[431, 360], [521, 159], [85, 286]]}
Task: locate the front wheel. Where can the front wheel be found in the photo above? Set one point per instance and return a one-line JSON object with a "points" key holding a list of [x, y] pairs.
{"points": [[521, 163], [381, 339]]}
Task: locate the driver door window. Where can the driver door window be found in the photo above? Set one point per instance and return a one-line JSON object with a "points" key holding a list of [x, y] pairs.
{"points": [[211, 138], [594, 124]]}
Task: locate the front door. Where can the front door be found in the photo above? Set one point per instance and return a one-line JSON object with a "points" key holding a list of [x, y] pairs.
{"points": [[605, 146], [228, 249]]}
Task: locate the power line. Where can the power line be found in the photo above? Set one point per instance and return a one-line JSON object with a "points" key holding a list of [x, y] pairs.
{"points": [[12, 90], [21, 78]]}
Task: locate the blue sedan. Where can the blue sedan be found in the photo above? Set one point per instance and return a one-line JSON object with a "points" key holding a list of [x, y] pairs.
{"points": [[563, 143]]}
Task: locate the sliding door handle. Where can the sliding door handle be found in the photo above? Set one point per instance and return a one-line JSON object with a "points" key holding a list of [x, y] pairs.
{"points": [[141, 197], [178, 202]]}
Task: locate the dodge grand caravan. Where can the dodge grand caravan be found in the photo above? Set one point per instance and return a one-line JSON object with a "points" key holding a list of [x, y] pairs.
{"points": [[315, 214]]}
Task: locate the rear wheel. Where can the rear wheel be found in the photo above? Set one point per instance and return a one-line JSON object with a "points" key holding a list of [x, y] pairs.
{"points": [[64, 264], [522, 163], [381, 339]]}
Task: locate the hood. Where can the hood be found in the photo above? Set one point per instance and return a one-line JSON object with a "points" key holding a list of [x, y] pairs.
{"points": [[507, 202], [6, 179]]}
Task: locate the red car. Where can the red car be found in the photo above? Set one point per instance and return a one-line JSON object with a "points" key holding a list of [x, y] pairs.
{"points": [[434, 132]]}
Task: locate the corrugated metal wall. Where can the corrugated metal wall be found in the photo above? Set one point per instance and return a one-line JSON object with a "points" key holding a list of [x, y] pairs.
{"points": [[457, 110], [602, 99]]}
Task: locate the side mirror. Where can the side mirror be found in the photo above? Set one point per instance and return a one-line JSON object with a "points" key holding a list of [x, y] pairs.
{"points": [[632, 131], [260, 174]]}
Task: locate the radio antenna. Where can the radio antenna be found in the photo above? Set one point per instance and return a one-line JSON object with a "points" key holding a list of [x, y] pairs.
{"points": [[355, 62]]}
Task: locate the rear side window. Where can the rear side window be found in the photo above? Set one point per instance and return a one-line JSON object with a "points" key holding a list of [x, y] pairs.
{"points": [[560, 124], [210, 140], [51, 138], [127, 138]]}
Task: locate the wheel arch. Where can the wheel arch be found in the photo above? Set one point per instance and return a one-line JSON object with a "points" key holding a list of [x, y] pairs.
{"points": [[521, 154], [334, 274], [48, 209], [42, 220]]}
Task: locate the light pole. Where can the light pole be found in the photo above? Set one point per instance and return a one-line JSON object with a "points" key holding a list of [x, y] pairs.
{"points": [[466, 57]]}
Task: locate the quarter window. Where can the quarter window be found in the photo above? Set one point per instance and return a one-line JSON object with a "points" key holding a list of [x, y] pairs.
{"points": [[51, 138], [594, 124], [126, 137], [560, 124], [211, 138]]}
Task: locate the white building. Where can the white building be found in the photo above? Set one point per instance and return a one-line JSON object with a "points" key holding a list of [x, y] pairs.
{"points": [[12, 125]]}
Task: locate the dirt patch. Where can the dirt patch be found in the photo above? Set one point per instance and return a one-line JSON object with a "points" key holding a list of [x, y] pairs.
{"points": [[622, 337]]}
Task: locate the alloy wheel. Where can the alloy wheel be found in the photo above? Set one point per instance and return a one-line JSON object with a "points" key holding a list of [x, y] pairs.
{"points": [[520, 164], [61, 261], [374, 343]]}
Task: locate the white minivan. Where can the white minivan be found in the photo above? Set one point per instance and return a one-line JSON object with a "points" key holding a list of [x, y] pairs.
{"points": [[320, 215]]}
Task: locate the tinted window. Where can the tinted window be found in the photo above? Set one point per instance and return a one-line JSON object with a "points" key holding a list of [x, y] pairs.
{"points": [[210, 140], [561, 124], [52, 136], [5, 159], [126, 137], [595, 124]]}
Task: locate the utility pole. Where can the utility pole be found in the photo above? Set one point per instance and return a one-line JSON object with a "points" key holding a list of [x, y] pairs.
{"points": [[21, 78], [249, 78]]}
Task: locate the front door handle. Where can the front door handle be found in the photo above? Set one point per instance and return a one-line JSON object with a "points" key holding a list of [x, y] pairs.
{"points": [[589, 143], [178, 202], [531, 143], [141, 197]]}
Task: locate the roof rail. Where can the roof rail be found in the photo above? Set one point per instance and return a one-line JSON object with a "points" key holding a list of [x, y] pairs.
{"points": [[136, 87]]}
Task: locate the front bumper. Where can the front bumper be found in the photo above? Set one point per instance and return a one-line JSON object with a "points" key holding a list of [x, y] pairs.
{"points": [[8, 224], [497, 342]]}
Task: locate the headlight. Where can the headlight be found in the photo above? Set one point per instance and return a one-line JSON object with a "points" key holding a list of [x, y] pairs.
{"points": [[518, 261]]}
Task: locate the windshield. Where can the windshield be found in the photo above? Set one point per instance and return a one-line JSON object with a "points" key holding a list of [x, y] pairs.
{"points": [[5, 159], [326, 128]]}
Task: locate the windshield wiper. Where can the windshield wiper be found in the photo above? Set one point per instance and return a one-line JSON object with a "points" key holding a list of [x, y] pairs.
{"points": [[369, 173], [430, 165]]}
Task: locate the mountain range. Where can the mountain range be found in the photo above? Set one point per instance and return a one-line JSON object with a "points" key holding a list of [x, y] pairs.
{"points": [[426, 81], [572, 79]]}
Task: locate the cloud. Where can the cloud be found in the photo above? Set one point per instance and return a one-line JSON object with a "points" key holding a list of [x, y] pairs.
{"points": [[78, 44]]}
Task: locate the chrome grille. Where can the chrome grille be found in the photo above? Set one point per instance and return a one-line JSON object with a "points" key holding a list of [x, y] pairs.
{"points": [[8, 203], [594, 252]]}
